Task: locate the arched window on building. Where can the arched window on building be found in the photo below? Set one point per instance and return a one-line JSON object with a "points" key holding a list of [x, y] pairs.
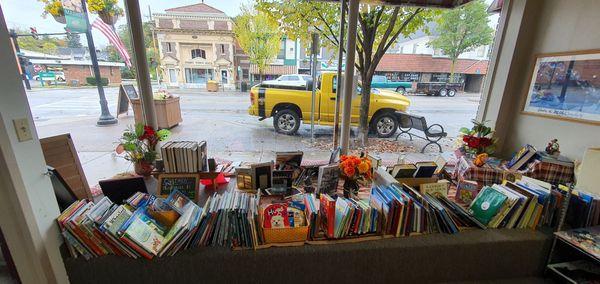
{"points": [[198, 53]]}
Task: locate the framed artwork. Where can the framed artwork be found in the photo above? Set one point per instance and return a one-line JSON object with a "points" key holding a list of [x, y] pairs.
{"points": [[187, 184], [565, 86]]}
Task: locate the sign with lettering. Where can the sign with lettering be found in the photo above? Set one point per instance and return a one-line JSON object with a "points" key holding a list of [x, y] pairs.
{"points": [[126, 94], [187, 184], [76, 21]]}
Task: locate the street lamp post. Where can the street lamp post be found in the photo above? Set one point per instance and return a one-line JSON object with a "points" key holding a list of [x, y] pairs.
{"points": [[105, 117]]}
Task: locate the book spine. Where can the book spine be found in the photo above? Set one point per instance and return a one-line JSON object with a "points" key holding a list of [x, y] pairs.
{"points": [[135, 247]]}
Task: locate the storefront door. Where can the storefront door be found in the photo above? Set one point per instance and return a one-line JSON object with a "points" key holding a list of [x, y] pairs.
{"points": [[172, 77], [224, 76]]}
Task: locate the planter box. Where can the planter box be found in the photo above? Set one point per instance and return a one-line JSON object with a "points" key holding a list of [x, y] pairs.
{"points": [[168, 112]]}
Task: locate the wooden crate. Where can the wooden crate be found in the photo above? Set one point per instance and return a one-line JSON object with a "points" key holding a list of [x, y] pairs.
{"points": [[60, 154], [168, 112]]}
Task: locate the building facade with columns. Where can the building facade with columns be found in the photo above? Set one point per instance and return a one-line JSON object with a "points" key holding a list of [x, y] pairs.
{"points": [[196, 44]]}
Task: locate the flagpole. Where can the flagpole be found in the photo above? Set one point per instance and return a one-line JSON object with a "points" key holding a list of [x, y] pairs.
{"points": [[105, 117]]}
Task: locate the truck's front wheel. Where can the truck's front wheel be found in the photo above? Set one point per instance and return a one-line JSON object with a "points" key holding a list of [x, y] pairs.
{"points": [[384, 125], [286, 121], [401, 90]]}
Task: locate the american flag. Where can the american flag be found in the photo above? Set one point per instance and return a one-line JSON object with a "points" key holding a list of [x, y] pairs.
{"points": [[114, 39]]}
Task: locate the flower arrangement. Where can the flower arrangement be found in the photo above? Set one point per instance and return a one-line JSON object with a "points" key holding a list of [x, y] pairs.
{"points": [[139, 143], [162, 95], [108, 10], [54, 8], [354, 170], [479, 139]]}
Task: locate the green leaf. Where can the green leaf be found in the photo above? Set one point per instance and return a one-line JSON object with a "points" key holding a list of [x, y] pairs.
{"points": [[464, 130], [163, 134], [139, 129]]}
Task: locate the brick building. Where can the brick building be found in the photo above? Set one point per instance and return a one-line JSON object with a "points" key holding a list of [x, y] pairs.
{"points": [[79, 70], [74, 67]]}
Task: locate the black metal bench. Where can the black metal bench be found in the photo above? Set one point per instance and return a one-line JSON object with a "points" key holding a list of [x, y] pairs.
{"points": [[408, 122]]}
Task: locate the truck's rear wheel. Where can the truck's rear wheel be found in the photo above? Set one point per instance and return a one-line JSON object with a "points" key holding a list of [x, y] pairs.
{"points": [[384, 125], [452, 92], [401, 90], [443, 92], [286, 121]]}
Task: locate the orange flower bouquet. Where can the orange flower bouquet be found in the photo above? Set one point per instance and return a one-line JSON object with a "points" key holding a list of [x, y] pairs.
{"points": [[354, 170]]}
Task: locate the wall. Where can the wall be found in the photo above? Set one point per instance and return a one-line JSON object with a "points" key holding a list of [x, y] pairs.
{"points": [[28, 207], [547, 26], [80, 72]]}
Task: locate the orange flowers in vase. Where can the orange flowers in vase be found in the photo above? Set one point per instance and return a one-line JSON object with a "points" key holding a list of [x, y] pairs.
{"points": [[354, 170]]}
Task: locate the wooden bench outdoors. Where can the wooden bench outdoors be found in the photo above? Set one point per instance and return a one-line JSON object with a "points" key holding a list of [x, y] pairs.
{"points": [[408, 122]]}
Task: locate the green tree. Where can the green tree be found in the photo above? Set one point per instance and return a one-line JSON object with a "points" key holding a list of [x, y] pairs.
{"points": [[259, 36], [44, 44], [379, 27], [461, 30], [123, 32], [74, 40]]}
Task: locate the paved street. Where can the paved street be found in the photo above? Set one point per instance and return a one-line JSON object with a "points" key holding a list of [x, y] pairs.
{"points": [[219, 118]]}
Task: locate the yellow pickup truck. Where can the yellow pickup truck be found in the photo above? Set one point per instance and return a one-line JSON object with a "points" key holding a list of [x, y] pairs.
{"points": [[289, 106]]}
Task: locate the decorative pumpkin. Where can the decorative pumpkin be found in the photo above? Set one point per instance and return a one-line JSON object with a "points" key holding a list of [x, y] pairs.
{"points": [[480, 159]]}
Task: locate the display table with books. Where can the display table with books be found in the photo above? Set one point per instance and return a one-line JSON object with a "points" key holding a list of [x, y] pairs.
{"points": [[397, 224]]}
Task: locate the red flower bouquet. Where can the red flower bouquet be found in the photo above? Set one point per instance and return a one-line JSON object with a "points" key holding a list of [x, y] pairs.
{"points": [[479, 139]]}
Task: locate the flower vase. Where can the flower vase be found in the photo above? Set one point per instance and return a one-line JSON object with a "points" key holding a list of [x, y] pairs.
{"points": [[350, 188], [60, 18], [143, 168]]}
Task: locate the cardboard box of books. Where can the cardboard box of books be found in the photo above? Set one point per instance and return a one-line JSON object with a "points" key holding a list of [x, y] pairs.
{"points": [[283, 221]]}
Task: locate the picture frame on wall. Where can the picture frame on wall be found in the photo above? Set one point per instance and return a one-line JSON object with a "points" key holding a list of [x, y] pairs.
{"points": [[565, 86]]}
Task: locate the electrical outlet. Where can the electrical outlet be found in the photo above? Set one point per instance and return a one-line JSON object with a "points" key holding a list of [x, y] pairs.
{"points": [[22, 129]]}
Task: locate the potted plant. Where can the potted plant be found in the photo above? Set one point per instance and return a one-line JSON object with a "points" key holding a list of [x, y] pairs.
{"points": [[477, 140], [107, 10], [139, 145], [166, 107], [355, 171], [54, 8]]}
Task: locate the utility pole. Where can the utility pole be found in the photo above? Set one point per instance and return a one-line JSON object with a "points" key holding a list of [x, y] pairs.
{"points": [[14, 37], [349, 72], [336, 117], [314, 51], [105, 117]]}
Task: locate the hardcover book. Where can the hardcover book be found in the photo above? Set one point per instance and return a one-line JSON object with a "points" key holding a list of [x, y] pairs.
{"points": [[328, 179], [486, 204]]}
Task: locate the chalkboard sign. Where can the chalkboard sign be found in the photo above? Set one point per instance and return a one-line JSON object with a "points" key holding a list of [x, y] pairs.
{"points": [[126, 94], [186, 183]]}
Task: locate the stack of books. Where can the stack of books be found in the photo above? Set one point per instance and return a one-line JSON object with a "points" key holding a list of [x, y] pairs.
{"points": [[229, 220], [184, 156], [344, 217], [139, 228], [524, 204], [584, 208]]}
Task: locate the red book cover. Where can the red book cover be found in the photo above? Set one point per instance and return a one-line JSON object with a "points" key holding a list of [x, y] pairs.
{"points": [[276, 216], [359, 213], [327, 208], [137, 248], [84, 238], [113, 247]]}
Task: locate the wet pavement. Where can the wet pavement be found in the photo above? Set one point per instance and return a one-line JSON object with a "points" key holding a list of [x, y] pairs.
{"points": [[219, 118]]}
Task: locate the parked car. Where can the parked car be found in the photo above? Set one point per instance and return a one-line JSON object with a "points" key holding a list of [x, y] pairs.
{"points": [[382, 82], [289, 106], [294, 80]]}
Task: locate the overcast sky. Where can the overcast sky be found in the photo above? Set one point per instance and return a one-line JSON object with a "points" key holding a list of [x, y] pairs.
{"points": [[27, 13]]}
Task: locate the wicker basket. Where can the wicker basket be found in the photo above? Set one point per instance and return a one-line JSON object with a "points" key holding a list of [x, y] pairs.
{"points": [[285, 235]]}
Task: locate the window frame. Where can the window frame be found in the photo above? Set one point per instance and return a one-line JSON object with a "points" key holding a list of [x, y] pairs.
{"points": [[198, 52]]}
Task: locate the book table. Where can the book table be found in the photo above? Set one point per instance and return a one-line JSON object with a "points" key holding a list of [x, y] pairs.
{"points": [[471, 255]]}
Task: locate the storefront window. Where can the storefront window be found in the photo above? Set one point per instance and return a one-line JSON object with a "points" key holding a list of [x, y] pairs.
{"points": [[198, 76]]}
